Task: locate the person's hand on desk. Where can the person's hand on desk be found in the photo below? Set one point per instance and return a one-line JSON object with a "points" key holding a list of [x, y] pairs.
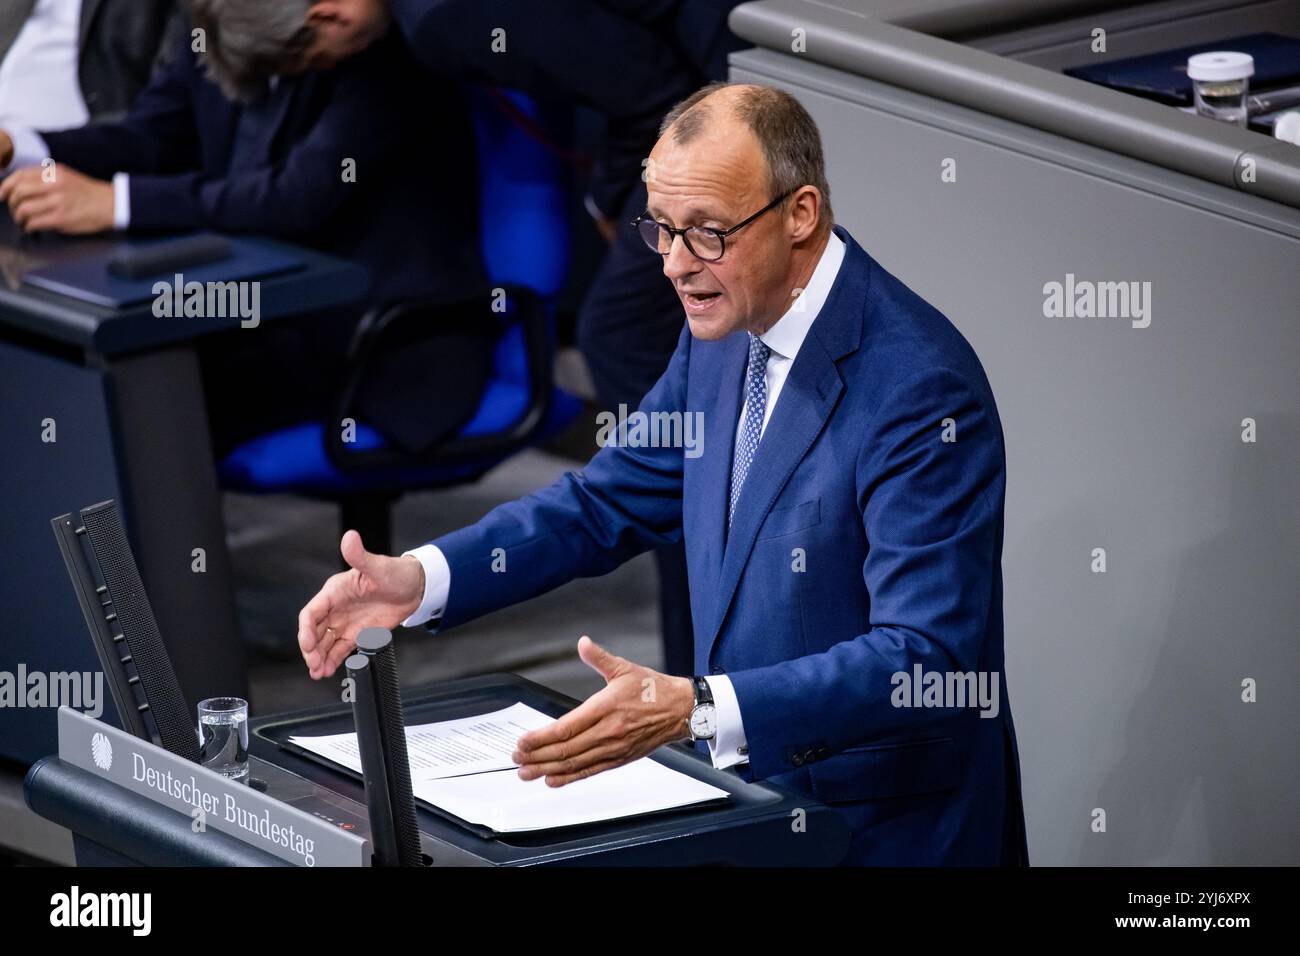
{"points": [[638, 711], [69, 202], [377, 591]]}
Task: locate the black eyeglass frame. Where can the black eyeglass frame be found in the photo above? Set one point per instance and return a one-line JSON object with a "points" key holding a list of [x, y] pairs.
{"points": [[722, 234]]}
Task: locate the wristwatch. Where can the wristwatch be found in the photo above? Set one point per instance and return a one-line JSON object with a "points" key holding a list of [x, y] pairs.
{"points": [[703, 724]]}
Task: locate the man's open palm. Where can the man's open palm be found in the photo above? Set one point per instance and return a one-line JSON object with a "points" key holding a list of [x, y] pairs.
{"points": [[376, 591]]}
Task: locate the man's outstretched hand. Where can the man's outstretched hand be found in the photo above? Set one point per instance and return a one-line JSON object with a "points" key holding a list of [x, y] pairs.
{"points": [[638, 711], [377, 591]]}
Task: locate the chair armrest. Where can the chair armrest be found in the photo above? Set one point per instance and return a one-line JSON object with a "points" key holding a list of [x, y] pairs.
{"points": [[524, 309]]}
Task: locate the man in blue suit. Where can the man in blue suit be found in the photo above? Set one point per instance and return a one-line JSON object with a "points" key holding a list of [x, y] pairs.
{"points": [[842, 518]]}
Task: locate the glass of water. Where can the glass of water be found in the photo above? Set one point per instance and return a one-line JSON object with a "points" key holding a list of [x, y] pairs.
{"points": [[223, 736]]}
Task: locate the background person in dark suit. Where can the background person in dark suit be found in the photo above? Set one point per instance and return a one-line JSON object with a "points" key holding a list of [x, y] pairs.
{"points": [[261, 134], [836, 536], [698, 28]]}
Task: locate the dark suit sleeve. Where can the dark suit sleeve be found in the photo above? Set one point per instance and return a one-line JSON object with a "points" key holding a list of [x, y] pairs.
{"points": [[698, 27], [299, 194], [932, 515], [647, 11], [576, 48], [157, 136], [579, 49], [627, 500], [121, 48]]}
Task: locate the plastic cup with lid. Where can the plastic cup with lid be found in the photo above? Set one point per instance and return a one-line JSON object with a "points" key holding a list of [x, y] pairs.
{"points": [[1220, 84]]}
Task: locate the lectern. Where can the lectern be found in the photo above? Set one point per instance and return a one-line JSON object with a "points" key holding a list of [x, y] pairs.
{"points": [[131, 796]]}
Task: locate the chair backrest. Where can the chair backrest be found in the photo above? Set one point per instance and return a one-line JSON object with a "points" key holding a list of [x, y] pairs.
{"points": [[523, 190], [523, 204]]}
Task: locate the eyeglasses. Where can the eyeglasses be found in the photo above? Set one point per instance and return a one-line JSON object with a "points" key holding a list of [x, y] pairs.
{"points": [[703, 242]]}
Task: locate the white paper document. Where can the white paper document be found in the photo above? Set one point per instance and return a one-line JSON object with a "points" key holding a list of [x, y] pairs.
{"points": [[463, 766], [447, 748]]}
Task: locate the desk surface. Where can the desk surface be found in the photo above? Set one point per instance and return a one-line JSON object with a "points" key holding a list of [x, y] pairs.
{"points": [[752, 828], [324, 282]]}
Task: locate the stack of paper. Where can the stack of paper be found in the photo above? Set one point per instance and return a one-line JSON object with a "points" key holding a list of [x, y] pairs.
{"points": [[463, 766]]}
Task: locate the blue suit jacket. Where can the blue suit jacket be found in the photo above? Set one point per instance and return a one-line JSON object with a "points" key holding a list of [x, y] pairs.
{"points": [[410, 215], [863, 544]]}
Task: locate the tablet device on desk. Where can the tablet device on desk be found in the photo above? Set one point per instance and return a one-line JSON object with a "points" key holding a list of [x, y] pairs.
{"points": [[92, 280]]}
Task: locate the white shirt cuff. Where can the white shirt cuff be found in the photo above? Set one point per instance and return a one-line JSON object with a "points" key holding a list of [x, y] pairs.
{"points": [[29, 148], [121, 201], [437, 584], [728, 746]]}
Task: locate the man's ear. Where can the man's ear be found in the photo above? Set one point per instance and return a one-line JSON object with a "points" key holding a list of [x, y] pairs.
{"points": [[325, 11], [805, 205]]}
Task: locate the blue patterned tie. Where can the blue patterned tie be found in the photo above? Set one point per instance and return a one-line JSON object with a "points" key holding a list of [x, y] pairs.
{"points": [[751, 429]]}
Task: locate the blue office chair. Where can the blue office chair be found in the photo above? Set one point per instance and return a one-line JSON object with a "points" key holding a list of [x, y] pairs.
{"points": [[525, 244]]}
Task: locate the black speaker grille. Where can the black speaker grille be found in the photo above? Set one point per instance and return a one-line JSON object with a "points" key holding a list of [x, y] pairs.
{"points": [[171, 713]]}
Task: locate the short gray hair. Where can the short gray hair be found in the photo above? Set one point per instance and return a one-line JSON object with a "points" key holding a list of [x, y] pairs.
{"points": [[249, 41], [788, 136]]}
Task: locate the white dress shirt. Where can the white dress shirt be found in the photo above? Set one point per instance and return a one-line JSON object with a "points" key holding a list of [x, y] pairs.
{"points": [[40, 87], [39, 83], [729, 744]]}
